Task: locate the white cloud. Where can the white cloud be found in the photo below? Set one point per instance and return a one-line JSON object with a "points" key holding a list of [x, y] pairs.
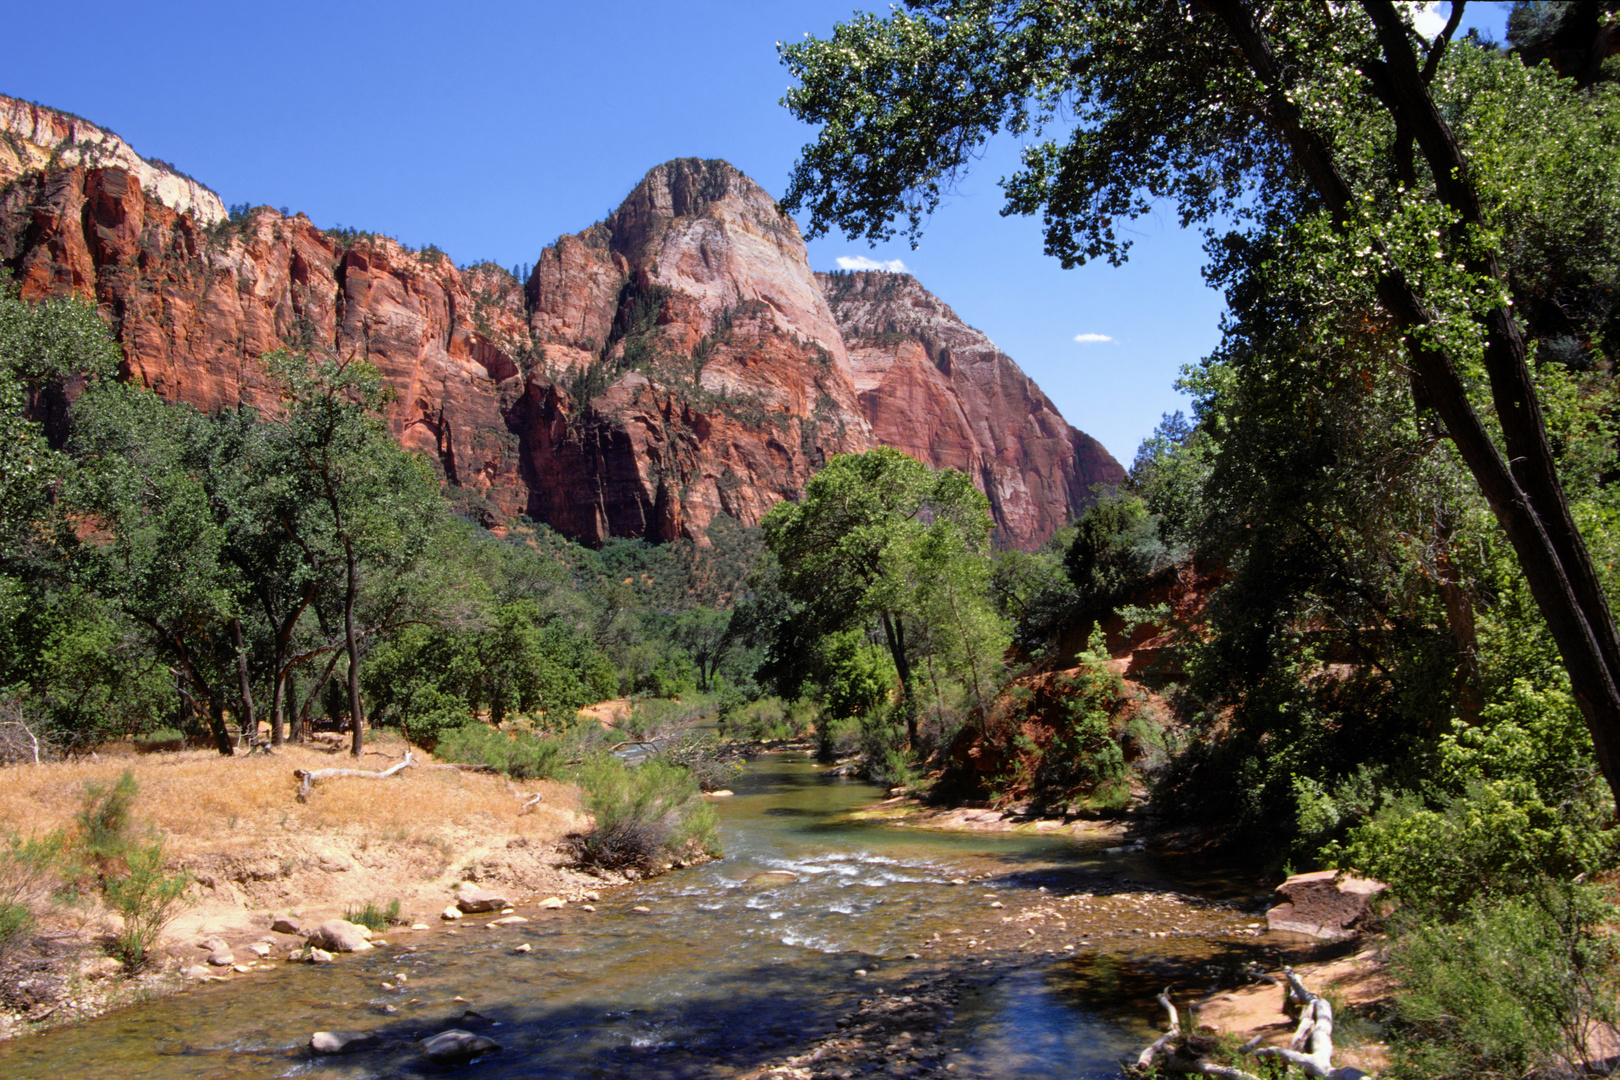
{"points": [[1427, 19], [1092, 339], [861, 262]]}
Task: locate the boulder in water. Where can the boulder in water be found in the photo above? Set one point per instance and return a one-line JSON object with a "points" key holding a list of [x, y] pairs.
{"points": [[455, 1045], [341, 1042]]}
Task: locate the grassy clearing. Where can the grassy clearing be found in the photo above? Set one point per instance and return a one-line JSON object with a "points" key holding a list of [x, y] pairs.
{"points": [[199, 800]]}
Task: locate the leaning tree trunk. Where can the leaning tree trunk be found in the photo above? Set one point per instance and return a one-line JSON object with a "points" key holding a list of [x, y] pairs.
{"points": [[1527, 498], [352, 646]]}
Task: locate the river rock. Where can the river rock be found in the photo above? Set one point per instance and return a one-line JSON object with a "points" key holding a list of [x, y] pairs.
{"points": [[455, 1045], [1325, 904], [222, 958], [340, 935], [261, 949], [450, 914], [772, 878], [199, 973], [509, 920], [285, 924], [214, 944], [551, 903], [320, 956], [473, 901], [341, 1042]]}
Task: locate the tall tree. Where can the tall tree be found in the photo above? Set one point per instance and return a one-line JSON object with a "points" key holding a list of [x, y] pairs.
{"points": [[367, 506], [1338, 121], [871, 530]]}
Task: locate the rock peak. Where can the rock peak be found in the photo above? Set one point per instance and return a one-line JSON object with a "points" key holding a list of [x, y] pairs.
{"points": [[34, 137], [674, 363]]}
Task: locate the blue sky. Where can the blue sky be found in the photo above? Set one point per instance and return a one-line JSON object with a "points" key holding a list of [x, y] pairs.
{"points": [[491, 127]]}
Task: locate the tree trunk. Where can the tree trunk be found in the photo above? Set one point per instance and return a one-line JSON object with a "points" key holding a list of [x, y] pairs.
{"points": [[216, 721], [352, 646], [1527, 499], [249, 720], [894, 631]]}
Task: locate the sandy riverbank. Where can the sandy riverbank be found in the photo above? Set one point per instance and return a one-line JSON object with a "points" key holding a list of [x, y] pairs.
{"points": [[256, 853]]}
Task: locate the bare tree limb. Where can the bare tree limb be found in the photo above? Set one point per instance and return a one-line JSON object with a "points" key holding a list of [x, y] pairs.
{"points": [[307, 778]]}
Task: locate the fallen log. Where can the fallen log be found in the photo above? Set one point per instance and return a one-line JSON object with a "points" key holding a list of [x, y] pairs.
{"points": [[1310, 1050], [307, 778]]}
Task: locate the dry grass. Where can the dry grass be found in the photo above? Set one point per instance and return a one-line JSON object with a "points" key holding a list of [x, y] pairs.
{"points": [[198, 799]]}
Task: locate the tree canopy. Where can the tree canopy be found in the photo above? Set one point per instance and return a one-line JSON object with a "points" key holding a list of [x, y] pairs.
{"points": [[879, 539], [1385, 163]]}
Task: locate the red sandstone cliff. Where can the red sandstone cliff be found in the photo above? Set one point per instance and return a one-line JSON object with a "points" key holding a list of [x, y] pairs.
{"points": [[941, 391], [676, 361]]}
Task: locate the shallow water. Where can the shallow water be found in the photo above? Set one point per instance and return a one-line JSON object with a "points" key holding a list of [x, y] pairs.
{"points": [[726, 971]]}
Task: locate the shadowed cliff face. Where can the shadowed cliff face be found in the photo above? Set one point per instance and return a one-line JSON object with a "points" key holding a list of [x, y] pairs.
{"points": [[674, 362]]}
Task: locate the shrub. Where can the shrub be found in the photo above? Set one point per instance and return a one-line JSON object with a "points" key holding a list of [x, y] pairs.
{"points": [[130, 874], [1518, 987], [765, 720], [146, 898], [103, 822], [523, 755], [374, 918], [29, 871], [883, 746], [644, 815], [701, 754]]}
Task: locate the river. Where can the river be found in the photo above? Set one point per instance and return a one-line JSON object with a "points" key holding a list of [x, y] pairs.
{"points": [[734, 964]]}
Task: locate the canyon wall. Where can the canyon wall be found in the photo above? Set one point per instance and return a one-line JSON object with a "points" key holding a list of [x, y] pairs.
{"points": [[676, 361]]}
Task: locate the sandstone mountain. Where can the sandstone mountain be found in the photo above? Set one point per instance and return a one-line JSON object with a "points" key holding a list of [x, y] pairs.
{"points": [[935, 388], [676, 361]]}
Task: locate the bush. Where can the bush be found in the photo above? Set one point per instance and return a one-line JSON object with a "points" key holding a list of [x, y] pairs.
{"points": [[103, 822], [837, 736], [146, 898], [644, 816], [130, 874], [766, 720], [883, 747], [1518, 987], [374, 918], [701, 754], [523, 755], [30, 870]]}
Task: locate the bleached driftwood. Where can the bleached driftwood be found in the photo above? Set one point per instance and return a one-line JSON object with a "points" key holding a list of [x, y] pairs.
{"points": [[307, 778], [1171, 1053], [1315, 1032], [1174, 1054]]}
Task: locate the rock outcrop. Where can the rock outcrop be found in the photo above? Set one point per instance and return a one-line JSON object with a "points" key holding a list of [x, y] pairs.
{"points": [[33, 137], [672, 363], [939, 390]]}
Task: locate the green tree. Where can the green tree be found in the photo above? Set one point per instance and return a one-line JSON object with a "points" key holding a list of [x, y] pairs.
{"points": [[142, 476], [372, 507], [879, 539], [45, 348], [1341, 124]]}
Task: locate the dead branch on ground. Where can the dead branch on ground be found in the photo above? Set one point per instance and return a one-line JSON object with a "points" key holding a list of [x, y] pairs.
{"points": [[1310, 1050]]}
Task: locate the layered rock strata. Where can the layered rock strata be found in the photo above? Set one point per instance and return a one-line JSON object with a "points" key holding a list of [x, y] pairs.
{"points": [[939, 390], [674, 362]]}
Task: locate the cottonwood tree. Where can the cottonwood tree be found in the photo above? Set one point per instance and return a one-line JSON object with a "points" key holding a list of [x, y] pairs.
{"points": [[366, 510], [1333, 122], [880, 539]]}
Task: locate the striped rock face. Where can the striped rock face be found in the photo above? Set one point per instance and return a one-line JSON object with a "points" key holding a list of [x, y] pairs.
{"points": [[673, 363]]}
